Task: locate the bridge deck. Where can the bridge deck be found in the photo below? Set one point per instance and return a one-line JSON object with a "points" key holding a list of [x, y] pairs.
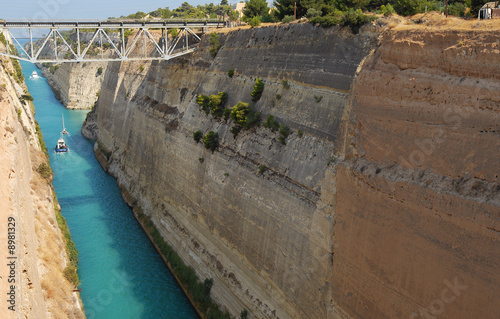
{"points": [[119, 24]]}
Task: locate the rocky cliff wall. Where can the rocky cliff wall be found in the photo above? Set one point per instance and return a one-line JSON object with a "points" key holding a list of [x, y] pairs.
{"points": [[386, 207], [40, 288], [76, 85], [418, 195]]}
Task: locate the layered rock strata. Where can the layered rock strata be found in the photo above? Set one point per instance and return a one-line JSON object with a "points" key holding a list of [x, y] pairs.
{"points": [[76, 85], [385, 200]]}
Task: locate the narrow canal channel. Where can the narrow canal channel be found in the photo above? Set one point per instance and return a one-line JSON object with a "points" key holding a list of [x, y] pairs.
{"points": [[121, 274]]}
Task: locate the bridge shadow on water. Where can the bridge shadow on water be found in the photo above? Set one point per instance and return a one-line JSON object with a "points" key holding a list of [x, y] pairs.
{"points": [[121, 274]]}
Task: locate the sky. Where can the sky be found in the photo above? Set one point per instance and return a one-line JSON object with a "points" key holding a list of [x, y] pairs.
{"points": [[85, 9]]}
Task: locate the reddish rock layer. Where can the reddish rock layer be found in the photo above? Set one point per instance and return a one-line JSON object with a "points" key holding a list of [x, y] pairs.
{"points": [[418, 204]]}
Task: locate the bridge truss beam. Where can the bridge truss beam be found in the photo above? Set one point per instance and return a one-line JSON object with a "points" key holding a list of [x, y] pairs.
{"points": [[146, 44]]}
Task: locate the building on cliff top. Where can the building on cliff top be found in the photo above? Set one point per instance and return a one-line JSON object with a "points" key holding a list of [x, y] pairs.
{"points": [[490, 10]]}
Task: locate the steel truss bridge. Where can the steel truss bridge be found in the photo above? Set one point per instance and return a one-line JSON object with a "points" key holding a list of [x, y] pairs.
{"points": [[87, 41]]}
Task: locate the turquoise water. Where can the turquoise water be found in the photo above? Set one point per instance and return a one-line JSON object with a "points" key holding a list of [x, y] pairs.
{"points": [[121, 274]]}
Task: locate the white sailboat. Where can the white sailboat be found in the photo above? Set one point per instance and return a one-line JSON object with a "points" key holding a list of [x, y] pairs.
{"points": [[64, 128]]}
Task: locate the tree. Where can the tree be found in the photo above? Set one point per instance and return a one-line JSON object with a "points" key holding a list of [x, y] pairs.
{"points": [[475, 6], [255, 8], [224, 3], [287, 7], [409, 7]]}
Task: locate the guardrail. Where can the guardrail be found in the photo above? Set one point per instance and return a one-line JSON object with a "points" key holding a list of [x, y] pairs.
{"points": [[113, 24]]}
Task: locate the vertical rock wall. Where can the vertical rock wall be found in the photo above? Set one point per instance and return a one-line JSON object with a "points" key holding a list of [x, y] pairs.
{"points": [[76, 85], [265, 238], [386, 207], [418, 215]]}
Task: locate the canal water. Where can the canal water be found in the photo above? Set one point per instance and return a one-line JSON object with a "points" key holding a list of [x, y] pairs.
{"points": [[121, 274]]}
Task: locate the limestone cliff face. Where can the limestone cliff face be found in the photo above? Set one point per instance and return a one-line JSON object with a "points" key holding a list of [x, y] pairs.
{"points": [[76, 85], [345, 222], [41, 290], [418, 198]]}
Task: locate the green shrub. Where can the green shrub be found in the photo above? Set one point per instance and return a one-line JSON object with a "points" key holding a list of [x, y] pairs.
{"points": [[254, 22], [245, 116], [53, 68], [387, 10], [457, 9], [19, 113], [197, 136], [284, 132], [409, 7], [258, 88], [211, 140], [99, 71], [201, 159], [244, 314], [45, 171], [18, 71], [312, 13], [262, 168], [40, 139], [214, 44], [71, 275], [203, 100], [141, 67], [226, 113], [318, 98], [326, 21], [213, 104], [230, 73], [70, 272], [235, 130], [288, 19], [355, 20], [173, 32], [278, 97], [285, 84], [2, 39], [271, 123], [27, 97]]}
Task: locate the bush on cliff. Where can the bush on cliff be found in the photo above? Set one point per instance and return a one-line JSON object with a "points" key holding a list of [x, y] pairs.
{"points": [[245, 116], [211, 140], [197, 136], [254, 22], [284, 132], [271, 123], [45, 171], [214, 44], [355, 19], [213, 104], [258, 88]]}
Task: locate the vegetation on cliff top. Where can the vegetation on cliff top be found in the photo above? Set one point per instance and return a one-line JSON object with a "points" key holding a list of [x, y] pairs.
{"points": [[350, 12]]}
